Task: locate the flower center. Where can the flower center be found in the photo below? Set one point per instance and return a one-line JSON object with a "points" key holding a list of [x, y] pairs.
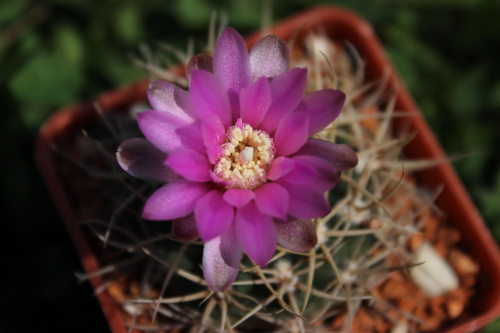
{"points": [[246, 158]]}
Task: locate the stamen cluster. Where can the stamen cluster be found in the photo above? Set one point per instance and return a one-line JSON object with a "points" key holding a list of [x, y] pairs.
{"points": [[247, 156]]}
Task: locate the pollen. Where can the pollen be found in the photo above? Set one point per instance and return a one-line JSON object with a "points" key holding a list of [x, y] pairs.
{"points": [[246, 158]]}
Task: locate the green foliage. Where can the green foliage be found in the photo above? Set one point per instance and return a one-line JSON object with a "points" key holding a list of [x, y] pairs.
{"points": [[494, 95], [490, 197], [493, 327], [468, 93], [245, 13], [45, 80], [68, 44], [198, 18], [10, 10]]}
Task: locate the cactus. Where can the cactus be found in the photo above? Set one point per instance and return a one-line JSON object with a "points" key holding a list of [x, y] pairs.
{"points": [[375, 210]]}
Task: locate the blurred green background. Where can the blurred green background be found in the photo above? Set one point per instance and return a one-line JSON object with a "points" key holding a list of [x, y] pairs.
{"points": [[55, 53]]}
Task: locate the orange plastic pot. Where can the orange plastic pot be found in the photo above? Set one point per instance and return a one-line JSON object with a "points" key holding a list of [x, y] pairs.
{"points": [[71, 119], [340, 25]]}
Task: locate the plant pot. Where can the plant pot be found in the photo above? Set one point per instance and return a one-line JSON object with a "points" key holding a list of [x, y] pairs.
{"points": [[70, 119], [341, 26]]}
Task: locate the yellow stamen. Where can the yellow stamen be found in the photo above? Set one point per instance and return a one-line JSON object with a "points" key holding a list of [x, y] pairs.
{"points": [[246, 158]]}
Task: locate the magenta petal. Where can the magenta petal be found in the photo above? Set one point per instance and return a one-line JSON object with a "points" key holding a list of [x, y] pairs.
{"points": [[184, 228], [214, 135], [297, 235], [191, 137], [139, 158], [173, 200], [328, 175], [272, 199], [200, 61], [298, 170], [323, 107], [209, 97], [159, 128], [292, 133], [213, 131], [339, 156], [302, 172], [221, 259], [306, 202], [269, 57], [256, 233], [232, 66], [213, 153], [213, 215], [280, 167], [255, 101], [287, 91], [238, 197], [168, 131], [166, 96], [190, 164], [219, 182]]}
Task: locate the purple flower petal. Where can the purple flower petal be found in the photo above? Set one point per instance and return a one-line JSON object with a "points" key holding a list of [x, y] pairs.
{"points": [[287, 90], [280, 167], [306, 202], [299, 170], [168, 131], [269, 57], [292, 133], [272, 199], [302, 172], [255, 101], [221, 259], [191, 137], [232, 66], [214, 135], [340, 156], [209, 97], [256, 233], [213, 131], [190, 164], [213, 153], [200, 61], [296, 235], [184, 228], [323, 107], [328, 175], [174, 200], [139, 158], [219, 182], [213, 215], [238, 197], [166, 96]]}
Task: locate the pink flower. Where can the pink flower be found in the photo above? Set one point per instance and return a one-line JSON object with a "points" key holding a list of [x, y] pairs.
{"points": [[234, 151]]}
